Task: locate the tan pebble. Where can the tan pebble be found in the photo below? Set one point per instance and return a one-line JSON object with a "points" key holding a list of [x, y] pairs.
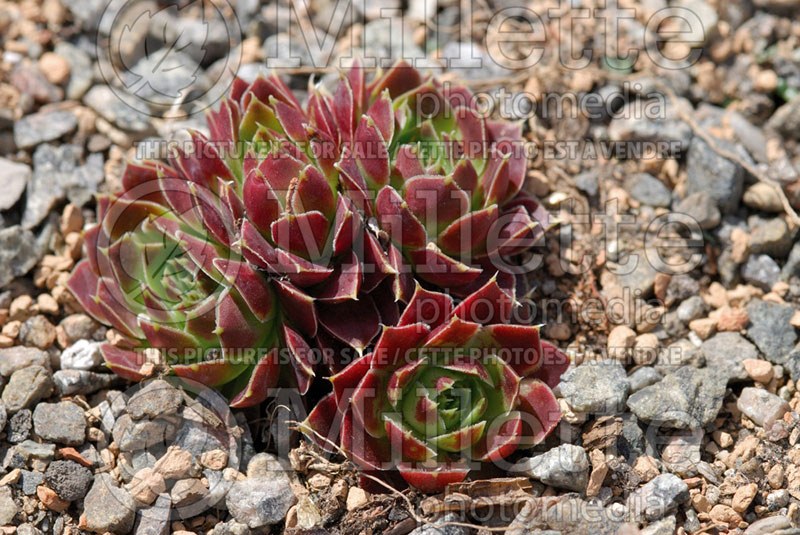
{"points": [[795, 321], [71, 220], [741, 245], [74, 243], [339, 490], [646, 467], [661, 281], [731, 319], [47, 305], [759, 370], [700, 503], [251, 50], [21, 308], [51, 500], [723, 438], [743, 497], [175, 464], [717, 296], [557, 331], [6, 342], [620, 341], [645, 350], [187, 491], [146, 485], [11, 329], [54, 67], [214, 459], [766, 81], [704, 327], [725, 515], [11, 477], [775, 476], [319, 481], [356, 497]]}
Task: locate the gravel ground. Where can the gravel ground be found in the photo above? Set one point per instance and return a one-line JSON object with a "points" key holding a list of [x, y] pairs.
{"points": [[681, 412]]}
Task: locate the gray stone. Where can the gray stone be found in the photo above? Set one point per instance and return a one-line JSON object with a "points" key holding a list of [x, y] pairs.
{"points": [[596, 387], [564, 515], [587, 183], [437, 527], [197, 438], [786, 120], [665, 526], [231, 527], [768, 526], [564, 467], [761, 271], [649, 120], [133, 435], [681, 453], [108, 507], [154, 519], [725, 352], [37, 332], [8, 509], [778, 499], [792, 363], [761, 406], [61, 422], [44, 126], [29, 529], [29, 481], [112, 108], [68, 479], [657, 498], [260, 502], [701, 207], [20, 251], [642, 377], [34, 450], [15, 180], [3, 415], [680, 288], [640, 280], [82, 355], [155, 399], [649, 190], [80, 69], [688, 398], [710, 172], [772, 237], [56, 176], [72, 382], [771, 330], [792, 266], [691, 309], [26, 387], [19, 426]]}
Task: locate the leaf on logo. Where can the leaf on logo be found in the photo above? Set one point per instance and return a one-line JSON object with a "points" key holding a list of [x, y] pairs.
{"points": [[167, 68]]}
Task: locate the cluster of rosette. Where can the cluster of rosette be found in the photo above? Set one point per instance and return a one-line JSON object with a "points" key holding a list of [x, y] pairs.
{"points": [[293, 228]]}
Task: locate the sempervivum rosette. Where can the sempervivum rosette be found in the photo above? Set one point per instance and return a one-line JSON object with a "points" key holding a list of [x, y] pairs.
{"points": [[447, 387], [446, 181], [163, 270], [332, 275]]}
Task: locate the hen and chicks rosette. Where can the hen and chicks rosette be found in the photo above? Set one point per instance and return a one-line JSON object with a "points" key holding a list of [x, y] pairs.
{"points": [[292, 227]]}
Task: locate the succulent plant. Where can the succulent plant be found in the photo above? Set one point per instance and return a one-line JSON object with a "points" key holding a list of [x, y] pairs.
{"points": [[446, 182], [251, 246], [239, 251], [448, 386]]}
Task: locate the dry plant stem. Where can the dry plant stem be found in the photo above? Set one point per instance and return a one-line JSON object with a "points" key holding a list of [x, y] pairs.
{"points": [[420, 520]]}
